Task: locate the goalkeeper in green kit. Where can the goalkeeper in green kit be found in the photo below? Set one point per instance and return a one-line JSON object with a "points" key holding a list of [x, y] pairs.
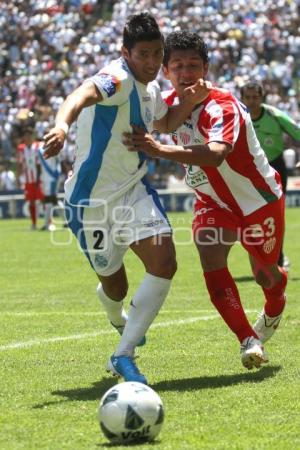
{"points": [[270, 125]]}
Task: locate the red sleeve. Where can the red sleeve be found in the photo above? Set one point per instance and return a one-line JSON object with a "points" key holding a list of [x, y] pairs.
{"points": [[220, 122]]}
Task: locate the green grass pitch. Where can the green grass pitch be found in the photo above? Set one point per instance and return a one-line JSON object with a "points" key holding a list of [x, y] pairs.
{"points": [[55, 341]]}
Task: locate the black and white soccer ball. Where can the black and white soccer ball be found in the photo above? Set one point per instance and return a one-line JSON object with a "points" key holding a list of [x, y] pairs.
{"points": [[130, 412]]}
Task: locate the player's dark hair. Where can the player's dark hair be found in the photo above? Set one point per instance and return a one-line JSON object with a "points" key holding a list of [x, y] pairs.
{"points": [[140, 27], [185, 40], [253, 85]]}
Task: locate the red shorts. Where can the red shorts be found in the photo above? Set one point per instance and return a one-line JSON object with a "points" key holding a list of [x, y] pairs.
{"points": [[260, 233], [33, 191]]}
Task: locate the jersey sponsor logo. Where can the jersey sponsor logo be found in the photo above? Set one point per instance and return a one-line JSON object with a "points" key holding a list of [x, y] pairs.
{"points": [[269, 245], [195, 176], [146, 99], [154, 223], [109, 83]]}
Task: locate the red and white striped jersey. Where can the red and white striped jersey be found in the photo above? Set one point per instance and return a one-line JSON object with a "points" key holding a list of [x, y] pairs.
{"points": [[28, 158], [245, 181]]}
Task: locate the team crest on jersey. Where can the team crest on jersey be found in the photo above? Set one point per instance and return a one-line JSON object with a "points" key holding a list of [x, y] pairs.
{"points": [[109, 83], [269, 245], [185, 138], [269, 141]]}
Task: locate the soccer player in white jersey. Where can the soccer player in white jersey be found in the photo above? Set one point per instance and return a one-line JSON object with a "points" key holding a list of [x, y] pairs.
{"points": [[50, 173], [239, 195], [109, 204], [28, 165]]}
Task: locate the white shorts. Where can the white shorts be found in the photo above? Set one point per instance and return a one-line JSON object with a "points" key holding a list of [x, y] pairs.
{"points": [[50, 186], [105, 232]]}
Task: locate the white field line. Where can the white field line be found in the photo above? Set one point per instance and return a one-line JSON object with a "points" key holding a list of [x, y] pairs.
{"points": [[93, 313], [72, 337]]}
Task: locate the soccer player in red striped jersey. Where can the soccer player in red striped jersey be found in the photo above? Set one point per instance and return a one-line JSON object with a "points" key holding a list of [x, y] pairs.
{"points": [[29, 165], [239, 195]]}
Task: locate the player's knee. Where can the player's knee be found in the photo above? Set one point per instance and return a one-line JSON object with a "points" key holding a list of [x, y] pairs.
{"points": [[164, 268], [263, 280], [170, 268]]}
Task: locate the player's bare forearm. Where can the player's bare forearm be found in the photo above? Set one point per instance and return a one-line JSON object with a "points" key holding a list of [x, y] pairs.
{"points": [[210, 155], [86, 95]]}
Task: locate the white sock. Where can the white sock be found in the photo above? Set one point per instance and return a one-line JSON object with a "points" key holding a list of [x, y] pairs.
{"points": [[115, 310], [48, 209], [145, 306]]}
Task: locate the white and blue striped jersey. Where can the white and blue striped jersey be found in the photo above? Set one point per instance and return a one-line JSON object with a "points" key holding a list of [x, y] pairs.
{"points": [[104, 169], [50, 173]]}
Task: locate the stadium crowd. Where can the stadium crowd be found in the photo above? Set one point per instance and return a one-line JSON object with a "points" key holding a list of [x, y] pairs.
{"points": [[49, 47]]}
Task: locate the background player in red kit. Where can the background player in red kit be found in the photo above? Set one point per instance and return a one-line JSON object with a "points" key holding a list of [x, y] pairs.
{"points": [[239, 195], [29, 167]]}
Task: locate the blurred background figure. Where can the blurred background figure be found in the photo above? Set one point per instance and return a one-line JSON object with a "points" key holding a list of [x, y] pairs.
{"points": [[28, 164], [8, 183], [50, 173]]}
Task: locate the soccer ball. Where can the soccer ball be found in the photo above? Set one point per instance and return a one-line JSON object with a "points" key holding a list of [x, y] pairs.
{"points": [[130, 412]]}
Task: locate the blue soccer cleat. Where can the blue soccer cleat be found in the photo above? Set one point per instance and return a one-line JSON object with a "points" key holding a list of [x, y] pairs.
{"points": [[120, 329], [124, 366]]}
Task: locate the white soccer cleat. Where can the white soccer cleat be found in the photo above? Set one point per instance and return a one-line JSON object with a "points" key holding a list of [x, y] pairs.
{"points": [[265, 326], [286, 264], [252, 353]]}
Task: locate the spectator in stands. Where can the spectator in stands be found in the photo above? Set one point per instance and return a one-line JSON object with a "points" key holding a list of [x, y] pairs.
{"points": [[271, 125], [7, 178]]}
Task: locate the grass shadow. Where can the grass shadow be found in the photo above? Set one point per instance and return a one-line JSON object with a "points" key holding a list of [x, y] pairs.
{"points": [[249, 278], [214, 382], [98, 388], [244, 279], [94, 392]]}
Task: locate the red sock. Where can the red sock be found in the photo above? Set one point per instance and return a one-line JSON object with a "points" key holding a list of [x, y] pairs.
{"points": [[224, 295], [275, 299], [32, 210]]}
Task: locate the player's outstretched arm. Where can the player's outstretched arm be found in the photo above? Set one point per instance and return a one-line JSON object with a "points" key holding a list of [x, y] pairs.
{"points": [[176, 115], [86, 95], [211, 155]]}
